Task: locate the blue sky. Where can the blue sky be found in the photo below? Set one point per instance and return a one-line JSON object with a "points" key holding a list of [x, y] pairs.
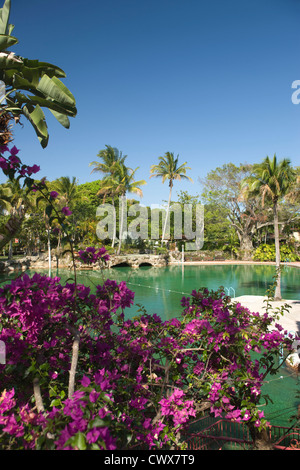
{"points": [[208, 80]]}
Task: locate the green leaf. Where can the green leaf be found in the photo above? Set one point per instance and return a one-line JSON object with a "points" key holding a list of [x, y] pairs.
{"points": [[38, 121], [4, 17], [78, 441], [97, 423], [43, 68], [7, 41], [55, 89], [49, 210], [56, 402], [62, 118], [51, 104]]}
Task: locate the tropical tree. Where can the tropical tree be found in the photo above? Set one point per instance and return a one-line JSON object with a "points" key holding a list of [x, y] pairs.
{"points": [[29, 86], [169, 169], [110, 156], [5, 193], [118, 179], [67, 189], [123, 182], [17, 204], [226, 208], [273, 181]]}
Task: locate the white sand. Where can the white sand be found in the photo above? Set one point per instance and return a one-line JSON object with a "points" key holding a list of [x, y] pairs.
{"points": [[291, 318]]}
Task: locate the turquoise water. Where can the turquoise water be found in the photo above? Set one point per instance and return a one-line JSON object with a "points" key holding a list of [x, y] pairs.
{"points": [[159, 290]]}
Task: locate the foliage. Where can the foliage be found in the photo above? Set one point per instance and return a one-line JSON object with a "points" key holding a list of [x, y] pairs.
{"points": [[31, 85], [139, 380], [266, 252], [226, 208], [169, 169], [272, 180]]}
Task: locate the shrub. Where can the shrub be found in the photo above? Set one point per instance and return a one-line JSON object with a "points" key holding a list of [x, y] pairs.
{"points": [[138, 381], [266, 252]]}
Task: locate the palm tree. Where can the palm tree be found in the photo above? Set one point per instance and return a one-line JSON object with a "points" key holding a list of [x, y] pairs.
{"points": [[126, 184], [119, 183], [67, 189], [110, 157], [109, 187], [168, 169], [111, 166], [272, 180]]}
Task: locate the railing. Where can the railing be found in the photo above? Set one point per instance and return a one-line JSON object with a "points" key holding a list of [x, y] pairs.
{"points": [[230, 289], [211, 433], [208, 433]]}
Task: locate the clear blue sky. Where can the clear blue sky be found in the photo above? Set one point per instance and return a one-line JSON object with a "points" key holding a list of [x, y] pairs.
{"points": [[208, 80]]}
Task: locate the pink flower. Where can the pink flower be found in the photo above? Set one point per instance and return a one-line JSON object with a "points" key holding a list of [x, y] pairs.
{"points": [[33, 169], [66, 211], [14, 150], [53, 194]]}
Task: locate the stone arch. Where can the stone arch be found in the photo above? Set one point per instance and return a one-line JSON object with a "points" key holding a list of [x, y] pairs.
{"points": [[145, 263], [123, 264]]}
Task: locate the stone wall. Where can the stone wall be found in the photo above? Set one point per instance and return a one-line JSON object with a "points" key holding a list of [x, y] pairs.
{"points": [[41, 262]]}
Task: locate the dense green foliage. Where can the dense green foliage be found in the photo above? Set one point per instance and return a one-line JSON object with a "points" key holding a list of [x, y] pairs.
{"points": [[266, 252]]}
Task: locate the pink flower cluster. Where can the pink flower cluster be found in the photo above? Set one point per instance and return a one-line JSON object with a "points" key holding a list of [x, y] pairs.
{"points": [[12, 164], [177, 407], [91, 255]]}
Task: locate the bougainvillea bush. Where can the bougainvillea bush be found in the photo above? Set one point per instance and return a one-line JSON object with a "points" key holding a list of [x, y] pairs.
{"points": [[138, 381]]}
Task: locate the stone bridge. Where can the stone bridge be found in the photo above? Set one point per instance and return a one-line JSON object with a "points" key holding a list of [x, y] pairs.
{"points": [[137, 260], [36, 262]]}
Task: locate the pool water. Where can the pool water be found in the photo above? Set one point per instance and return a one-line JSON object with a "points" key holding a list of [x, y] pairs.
{"points": [[159, 290]]}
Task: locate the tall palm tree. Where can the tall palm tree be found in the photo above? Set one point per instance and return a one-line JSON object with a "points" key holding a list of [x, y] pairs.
{"points": [[110, 156], [67, 189], [127, 184], [109, 187], [272, 180], [122, 181], [169, 169], [111, 165]]}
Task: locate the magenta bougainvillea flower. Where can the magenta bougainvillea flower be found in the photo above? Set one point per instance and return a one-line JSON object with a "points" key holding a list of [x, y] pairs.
{"points": [[66, 211]]}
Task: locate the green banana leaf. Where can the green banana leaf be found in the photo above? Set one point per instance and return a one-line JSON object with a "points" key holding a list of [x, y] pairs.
{"points": [[7, 41], [36, 117]]}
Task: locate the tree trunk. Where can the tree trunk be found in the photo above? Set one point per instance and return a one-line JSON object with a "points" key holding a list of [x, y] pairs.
{"points": [[277, 295], [121, 225], [246, 245], [261, 439], [49, 254], [115, 225], [167, 215]]}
